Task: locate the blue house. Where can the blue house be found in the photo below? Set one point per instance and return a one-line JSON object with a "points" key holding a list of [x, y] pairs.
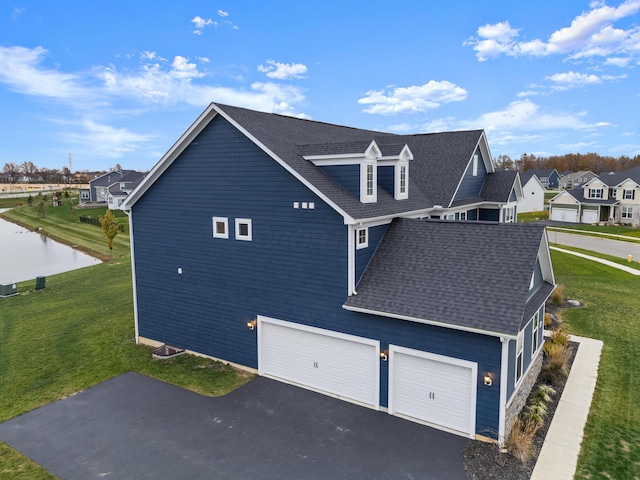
{"points": [[549, 177], [355, 263]]}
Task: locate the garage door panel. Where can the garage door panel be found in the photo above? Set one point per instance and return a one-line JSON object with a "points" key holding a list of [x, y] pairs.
{"points": [[333, 363], [564, 215], [434, 389]]}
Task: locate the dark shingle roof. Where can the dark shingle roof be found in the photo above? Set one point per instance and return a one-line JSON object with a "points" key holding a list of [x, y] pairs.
{"points": [[578, 194], [542, 172], [472, 275], [526, 176], [613, 179], [440, 159], [497, 187]]}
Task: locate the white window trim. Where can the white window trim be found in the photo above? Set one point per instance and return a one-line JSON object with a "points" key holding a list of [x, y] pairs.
{"points": [[364, 197], [364, 244], [463, 215], [520, 354], [626, 211], [475, 165], [535, 343], [249, 236], [624, 194], [226, 227], [399, 194], [592, 193]]}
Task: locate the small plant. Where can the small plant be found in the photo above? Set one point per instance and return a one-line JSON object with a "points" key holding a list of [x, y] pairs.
{"points": [[559, 336], [520, 441], [547, 319], [544, 393], [557, 296], [558, 358], [535, 413], [30, 200]]}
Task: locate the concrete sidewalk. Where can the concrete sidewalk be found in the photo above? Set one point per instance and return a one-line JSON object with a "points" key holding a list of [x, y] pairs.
{"points": [[632, 271], [558, 458]]}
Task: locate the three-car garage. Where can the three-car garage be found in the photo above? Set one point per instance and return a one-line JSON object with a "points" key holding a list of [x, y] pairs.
{"points": [[424, 387]]}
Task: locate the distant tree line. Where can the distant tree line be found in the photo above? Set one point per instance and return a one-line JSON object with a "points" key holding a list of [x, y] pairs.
{"points": [[28, 172], [574, 162]]}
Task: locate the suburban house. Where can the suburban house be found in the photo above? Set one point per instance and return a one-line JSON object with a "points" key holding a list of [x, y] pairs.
{"points": [[532, 193], [111, 188], [377, 268], [571, 180], [612, 197], [549, 177]]}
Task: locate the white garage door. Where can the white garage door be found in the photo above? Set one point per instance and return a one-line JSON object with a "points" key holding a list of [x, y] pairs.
{"points": [[434, 389], [589, 216], [333, 363], [564, 215]]}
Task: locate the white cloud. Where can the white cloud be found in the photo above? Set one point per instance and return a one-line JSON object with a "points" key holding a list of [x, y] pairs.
{"points": [[104, 140], [200, 23], [19, 68], [618, 61], [401, 128], [412, 99], [573, 147], [590, 34], [627, 134], [222, 13], [16, 12], [283, 71], [568, 80], [527, 93]]}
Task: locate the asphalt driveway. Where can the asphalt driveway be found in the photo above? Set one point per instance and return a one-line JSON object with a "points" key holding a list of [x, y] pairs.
{"points": [[136, 427]]}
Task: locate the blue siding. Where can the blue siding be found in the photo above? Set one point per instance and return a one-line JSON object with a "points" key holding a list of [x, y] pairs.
{"points": [[363, 256], [295, 269], [526, 352], [346, 175], [471, 186], [386, 176]]}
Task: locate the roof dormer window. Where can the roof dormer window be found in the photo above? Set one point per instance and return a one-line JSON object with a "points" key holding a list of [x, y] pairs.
{"points": [[368, 181]]}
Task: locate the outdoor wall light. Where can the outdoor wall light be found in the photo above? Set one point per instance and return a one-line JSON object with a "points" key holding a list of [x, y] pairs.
{"points": [[384, 355], [252, 324], [488, 381]]}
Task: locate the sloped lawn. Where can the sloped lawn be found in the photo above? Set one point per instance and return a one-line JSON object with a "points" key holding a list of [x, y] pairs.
{"points": [[611, 447]]}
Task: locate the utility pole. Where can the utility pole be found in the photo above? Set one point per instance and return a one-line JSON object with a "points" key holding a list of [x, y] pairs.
{"points": [[70, 169]]}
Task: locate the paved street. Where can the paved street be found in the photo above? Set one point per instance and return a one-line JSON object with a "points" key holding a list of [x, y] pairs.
{"points": [[616, 248]]}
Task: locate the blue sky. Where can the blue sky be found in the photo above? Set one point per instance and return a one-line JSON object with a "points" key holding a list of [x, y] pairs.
{"points": [[119, 82]]}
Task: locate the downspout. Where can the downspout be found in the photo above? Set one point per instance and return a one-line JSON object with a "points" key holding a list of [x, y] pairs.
{"points": [[129, 214], [504, 372], [351, 261]]}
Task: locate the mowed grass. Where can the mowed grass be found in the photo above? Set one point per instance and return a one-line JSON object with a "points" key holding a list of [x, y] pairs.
{"points": [[611, 446], [76, 333], [63, 224]]}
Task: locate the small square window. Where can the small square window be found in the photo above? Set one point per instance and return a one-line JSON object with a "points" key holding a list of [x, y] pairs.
{"points": [[243, 229], [220, 227], [362, 238]]}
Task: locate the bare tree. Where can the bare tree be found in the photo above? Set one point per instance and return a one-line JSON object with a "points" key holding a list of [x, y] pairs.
{"points": [[11, 172]]}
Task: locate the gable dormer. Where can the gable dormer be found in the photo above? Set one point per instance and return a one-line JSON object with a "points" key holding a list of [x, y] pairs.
{"points": [[360, 167]]}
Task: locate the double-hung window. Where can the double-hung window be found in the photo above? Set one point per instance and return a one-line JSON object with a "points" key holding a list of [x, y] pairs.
{"points": [[628, 194], [627, 212], [370, 168], [519, 359], [595, 193], [362, 238], [536, 333]]}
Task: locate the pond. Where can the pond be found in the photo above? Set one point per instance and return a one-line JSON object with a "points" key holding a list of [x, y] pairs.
{"points": [[25, 255]]}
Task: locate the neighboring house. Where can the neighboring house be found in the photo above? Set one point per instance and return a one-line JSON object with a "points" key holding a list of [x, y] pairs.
{"points": [[573, 180], [84, 194], [548, 177], [532, 193], [309, 253], [111, 187], [612, 197]]}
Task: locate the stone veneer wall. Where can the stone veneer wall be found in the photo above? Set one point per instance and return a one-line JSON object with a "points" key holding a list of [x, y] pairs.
{"points": [[519, 399]]}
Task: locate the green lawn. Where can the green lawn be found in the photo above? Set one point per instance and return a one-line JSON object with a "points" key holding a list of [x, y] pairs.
{"points": [[76, 333], [611, 447], [621, 261], [533, 216]]}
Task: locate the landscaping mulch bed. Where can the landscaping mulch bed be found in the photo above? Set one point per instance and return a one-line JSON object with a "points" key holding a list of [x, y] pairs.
{"points": [[484, 461]]}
